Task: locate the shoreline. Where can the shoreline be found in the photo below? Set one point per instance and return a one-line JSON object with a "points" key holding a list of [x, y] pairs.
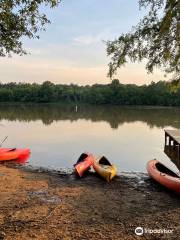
{"points": [[65, 171], [72, 104], [38, 204]]}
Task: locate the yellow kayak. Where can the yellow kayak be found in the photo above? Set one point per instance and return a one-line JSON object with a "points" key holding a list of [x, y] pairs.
{"points": [[104, 168]]}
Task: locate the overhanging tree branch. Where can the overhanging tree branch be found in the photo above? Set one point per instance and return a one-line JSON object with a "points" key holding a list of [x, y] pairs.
{"points": [[156, 38], [19, 18]]}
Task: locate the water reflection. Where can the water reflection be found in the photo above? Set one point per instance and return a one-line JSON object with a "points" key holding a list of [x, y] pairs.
{"points": [[114, 115], [57, 134]]}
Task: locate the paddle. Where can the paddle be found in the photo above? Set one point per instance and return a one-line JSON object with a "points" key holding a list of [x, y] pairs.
{"points": [[3, 141]]}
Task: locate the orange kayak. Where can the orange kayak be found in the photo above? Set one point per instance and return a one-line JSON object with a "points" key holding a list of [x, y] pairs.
{"points": [[83, 163], [163, 175], [8, 154]]}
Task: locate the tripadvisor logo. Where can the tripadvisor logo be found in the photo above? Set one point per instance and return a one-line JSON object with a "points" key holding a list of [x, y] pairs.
{"points": [[140, 231]]}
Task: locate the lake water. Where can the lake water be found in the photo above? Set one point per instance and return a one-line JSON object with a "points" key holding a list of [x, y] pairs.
{"points": [[58, 134]]}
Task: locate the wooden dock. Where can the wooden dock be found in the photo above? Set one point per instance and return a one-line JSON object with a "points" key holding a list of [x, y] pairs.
{"points": [[172, 145]]}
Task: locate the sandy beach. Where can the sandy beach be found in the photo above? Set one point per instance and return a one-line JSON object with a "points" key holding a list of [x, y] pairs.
{"points": [[38, 204]]}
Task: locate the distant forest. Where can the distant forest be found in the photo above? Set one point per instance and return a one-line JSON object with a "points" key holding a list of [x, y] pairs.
{"points": [[159, 94]]}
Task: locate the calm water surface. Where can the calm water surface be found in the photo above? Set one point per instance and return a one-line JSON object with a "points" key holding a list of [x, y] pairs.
{"points": [[58, 134]]}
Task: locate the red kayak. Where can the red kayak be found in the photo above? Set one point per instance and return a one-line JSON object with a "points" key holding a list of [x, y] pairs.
{"points": [[23, 159], [83, 163], [8, 154], [163, 175]]}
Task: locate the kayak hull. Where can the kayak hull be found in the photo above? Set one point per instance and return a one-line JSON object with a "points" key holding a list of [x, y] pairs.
{"points": [[84, 164], [163, 175], [108, 172], [9, 154]]}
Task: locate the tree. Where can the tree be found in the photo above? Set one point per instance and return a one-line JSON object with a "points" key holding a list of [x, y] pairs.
{"points": [[19, 18], [160, 93], [156, 37]]}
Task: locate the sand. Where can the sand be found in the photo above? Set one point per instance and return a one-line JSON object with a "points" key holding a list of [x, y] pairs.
{"points": [[37, 204]]}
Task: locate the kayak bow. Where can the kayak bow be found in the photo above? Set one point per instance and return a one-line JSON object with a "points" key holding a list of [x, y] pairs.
{"points": [[83, 163], [163, 175], [8, 154], [104, 168]]}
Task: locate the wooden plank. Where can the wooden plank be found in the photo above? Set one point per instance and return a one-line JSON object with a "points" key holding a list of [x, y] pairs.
{"points": [[174, 134], [178, 139], [172, 145]]}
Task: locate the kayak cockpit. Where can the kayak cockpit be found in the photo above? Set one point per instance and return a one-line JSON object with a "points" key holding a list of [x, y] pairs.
{"points": [[103, 161], [82, 157], [163, 169]]}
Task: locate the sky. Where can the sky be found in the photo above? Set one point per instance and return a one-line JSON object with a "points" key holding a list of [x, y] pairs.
{"points": [[72, 49]]}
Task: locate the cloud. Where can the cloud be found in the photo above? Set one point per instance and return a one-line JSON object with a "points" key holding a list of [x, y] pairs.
{"points": [[74, 55], [93, 38], [87, 40]]}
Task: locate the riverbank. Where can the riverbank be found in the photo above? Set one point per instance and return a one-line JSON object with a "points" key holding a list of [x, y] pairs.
{"points": [[50, 205]]}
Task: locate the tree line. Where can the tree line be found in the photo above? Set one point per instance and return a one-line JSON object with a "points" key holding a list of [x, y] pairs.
{"points": [[157, 94]]}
